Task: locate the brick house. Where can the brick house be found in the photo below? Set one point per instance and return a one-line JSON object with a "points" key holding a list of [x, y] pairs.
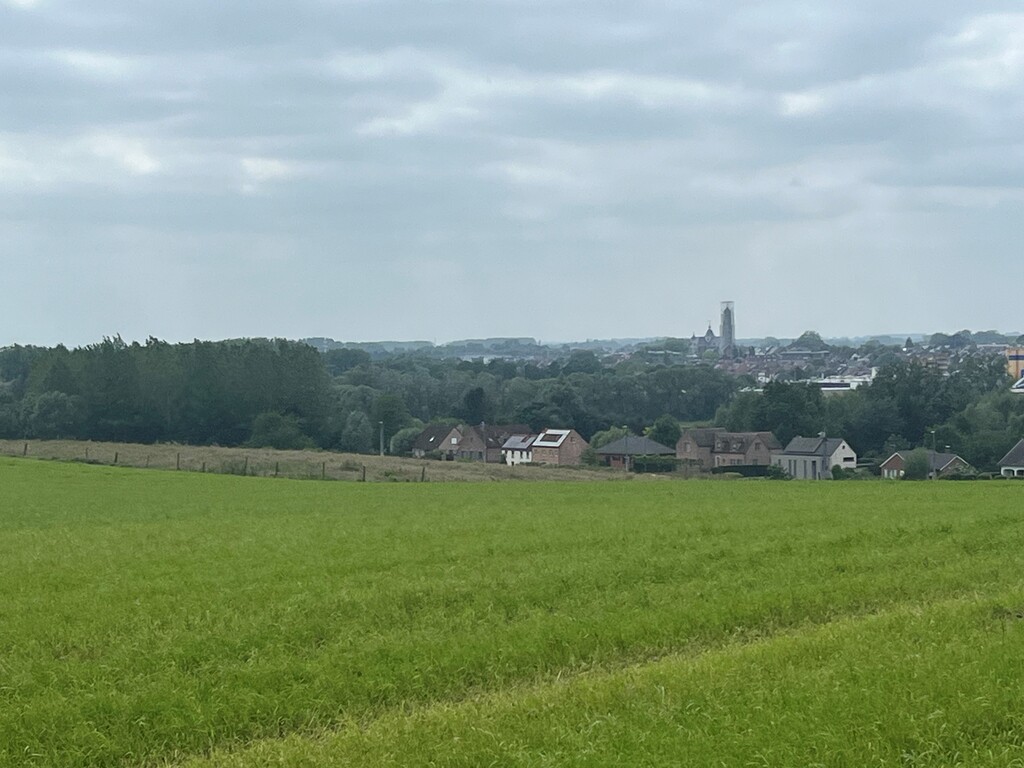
{"points": [[560, 447], [714, 447], [483, 442], [442, 438], [939, 465]]}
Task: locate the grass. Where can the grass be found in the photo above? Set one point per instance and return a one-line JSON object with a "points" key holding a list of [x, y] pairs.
{"points": [[308, 465], [179, 619]]}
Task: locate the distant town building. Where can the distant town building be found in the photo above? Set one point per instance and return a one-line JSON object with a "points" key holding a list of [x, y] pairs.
{"points": [[1015, 362], [701, 344]]}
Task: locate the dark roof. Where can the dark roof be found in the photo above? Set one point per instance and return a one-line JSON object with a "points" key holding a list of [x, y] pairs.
{"points": [[811, 446], [495, 435], [1015, 457], [937, 461], [518, 443], [703, 436], [632, 445], [740, 442], [431, 436]]}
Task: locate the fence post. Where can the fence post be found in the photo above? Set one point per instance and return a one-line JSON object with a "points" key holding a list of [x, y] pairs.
{"points": [[24, 451], [87, 453], [115, 457], [323, 470], [364, 473], [245, 469], [277, 467], [204, 467], [423, 475], [177, 462]]}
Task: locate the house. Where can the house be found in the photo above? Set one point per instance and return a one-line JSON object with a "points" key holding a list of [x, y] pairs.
{"points": [[812, 458], [622, 453], [939, 465], [561, 447], [484, 442], [695, 446], [1012, 464], [518, 449], [714, 447], [442, 438]]}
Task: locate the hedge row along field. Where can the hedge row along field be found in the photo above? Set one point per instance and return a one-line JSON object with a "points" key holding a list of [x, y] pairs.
{"points": [[173, 619]]}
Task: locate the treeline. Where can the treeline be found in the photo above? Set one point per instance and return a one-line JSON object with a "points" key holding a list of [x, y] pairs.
{"points": [[286, 394], [971, 411]]}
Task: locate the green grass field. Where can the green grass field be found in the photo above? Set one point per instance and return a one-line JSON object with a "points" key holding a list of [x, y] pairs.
{"points": [[181, 619]]}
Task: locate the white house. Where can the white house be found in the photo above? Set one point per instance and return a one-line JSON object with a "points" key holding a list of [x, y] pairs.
{"points": [[812, 458], [1012, 464], [518, 449]]}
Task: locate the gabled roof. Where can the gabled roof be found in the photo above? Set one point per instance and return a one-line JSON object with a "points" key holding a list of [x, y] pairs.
{"points": [[494, 435], [551, 438], [431, 437], [812, 446], [1015, 457], [703, 437], [937, 461], [518, 443], [635, 446], [740, 442]]}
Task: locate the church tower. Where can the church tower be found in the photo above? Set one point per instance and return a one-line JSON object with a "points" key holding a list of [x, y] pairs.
{"points": [[727, 336]]}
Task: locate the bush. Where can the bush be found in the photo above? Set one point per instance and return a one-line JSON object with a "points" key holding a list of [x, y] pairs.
{"points": [[655, 464], [277, 430]]}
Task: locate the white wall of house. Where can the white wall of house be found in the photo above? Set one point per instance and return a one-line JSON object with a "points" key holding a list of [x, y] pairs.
{"points": [[516, 457], [810, 467]]}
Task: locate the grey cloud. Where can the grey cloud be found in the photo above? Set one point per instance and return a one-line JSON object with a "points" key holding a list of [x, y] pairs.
{"points": [[330, 168]]}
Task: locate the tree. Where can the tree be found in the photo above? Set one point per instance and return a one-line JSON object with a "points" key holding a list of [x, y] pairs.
{"points": [[476, 406], [402, 441], [610, 435], [666, 430], [391, 410], [357, 437], [53, 415], [916, 465]]}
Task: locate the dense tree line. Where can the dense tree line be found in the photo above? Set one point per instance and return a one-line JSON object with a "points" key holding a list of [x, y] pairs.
{"points": [[287, 395]]}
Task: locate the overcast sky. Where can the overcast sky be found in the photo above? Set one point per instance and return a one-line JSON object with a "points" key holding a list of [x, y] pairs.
{"points": [[562, 169]]}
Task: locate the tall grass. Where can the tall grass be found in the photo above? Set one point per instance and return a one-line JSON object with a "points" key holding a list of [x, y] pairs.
{"points": [[149, 618]]}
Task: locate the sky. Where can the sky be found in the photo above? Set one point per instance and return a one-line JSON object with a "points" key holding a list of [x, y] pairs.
{"points": [[560, 169]]}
